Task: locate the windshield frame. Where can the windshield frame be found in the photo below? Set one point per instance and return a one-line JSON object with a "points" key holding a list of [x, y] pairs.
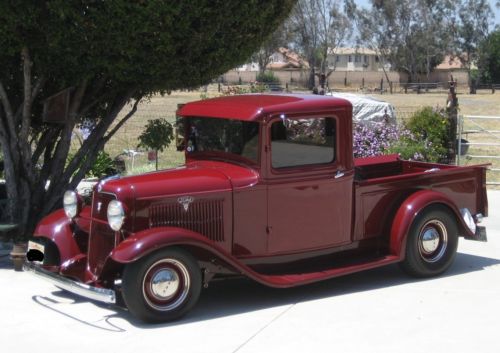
{"points": [[219, 155]]}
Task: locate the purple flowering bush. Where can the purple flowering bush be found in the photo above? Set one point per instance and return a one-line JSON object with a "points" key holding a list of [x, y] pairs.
{"points": [[374, 140], [378, 139]]}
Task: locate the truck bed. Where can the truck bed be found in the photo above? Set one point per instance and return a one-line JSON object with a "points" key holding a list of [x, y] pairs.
{"points": [[383, 183], [383, 167]]}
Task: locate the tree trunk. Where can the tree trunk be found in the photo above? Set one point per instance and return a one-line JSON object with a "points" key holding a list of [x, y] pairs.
{"points": [[35, 191], [387, 78], [312, 78]]}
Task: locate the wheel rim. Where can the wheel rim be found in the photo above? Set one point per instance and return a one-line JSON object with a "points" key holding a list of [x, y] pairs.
{"points": [[432, 241], [166, 284]]}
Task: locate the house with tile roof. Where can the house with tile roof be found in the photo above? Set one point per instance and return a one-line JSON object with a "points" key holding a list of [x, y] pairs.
{"points": [[284, 58], [354, 59]]}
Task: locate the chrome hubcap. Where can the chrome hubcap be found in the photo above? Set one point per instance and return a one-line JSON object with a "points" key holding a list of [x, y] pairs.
{"points": [[432, 241], [166, 284]]}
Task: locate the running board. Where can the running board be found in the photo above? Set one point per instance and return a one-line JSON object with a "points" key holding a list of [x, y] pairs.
{"points": [[296, 279]]}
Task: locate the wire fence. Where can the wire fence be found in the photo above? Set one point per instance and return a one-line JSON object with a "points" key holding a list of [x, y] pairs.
{"points": [[479, 142], [405, 113], [125, 142]]}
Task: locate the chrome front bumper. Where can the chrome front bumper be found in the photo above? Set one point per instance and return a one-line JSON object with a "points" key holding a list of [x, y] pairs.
{"points": [[103, 295]]}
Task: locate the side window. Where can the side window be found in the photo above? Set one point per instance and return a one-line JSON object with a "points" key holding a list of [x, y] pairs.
{"points": [[298, 142]]}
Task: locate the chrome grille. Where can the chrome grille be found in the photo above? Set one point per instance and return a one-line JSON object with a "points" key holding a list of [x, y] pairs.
{"points": [[203, 216], [102, 237], [101, 242], [100, 203]]}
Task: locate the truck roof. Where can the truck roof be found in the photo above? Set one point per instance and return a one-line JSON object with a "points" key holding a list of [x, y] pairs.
{"points": [[255, 107]]}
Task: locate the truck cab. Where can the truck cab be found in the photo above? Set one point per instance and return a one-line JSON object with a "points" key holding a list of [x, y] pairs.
{"points": [[270, 190], [295, 156]]}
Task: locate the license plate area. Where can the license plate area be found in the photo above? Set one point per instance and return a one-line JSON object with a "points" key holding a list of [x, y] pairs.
{"points": [[36, 252]]}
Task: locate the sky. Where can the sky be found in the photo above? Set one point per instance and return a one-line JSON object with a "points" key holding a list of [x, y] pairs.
{"points": [[496, 10]]}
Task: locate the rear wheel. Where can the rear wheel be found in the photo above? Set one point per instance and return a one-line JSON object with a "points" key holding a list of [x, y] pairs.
{"points": [[432, 243], [163, 286]]}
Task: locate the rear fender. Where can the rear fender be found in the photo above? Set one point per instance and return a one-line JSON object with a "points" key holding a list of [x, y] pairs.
{"points": [[411, 208], [57, 227]]}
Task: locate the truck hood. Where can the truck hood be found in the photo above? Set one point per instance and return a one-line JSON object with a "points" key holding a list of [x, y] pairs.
{"points": [[193, 178]]}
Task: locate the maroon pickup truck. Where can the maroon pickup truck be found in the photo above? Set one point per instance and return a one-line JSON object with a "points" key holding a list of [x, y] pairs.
{"points": [[270, 191]]}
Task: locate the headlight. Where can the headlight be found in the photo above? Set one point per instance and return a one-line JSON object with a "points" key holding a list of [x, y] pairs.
{"points": [[116, 215], [466, 215], [70, 203]]}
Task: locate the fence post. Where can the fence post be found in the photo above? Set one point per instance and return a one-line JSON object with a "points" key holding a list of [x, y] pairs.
{"points": [[460, 125], [452, 110], [381, 85]]}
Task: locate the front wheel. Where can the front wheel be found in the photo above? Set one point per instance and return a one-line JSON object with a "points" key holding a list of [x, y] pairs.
{"points": [[163, 286], [432, 243]]}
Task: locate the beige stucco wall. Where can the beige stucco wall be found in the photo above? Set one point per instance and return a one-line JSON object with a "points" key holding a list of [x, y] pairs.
{"points": [[347, 79]]}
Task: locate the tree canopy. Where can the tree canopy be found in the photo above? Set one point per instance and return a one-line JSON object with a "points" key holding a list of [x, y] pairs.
{"points": [[318, 27], [489, 58], [107, 54], [415, 36]]}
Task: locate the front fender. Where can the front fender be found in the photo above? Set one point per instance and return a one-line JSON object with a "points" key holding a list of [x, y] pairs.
{"points": [[411, 208], [57, 228], [149, 240]]}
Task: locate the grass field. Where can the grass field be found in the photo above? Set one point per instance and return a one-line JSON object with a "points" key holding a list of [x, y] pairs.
{"points": [[483, 103]]}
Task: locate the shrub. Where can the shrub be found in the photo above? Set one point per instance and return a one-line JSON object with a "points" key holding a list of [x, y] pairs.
{"points": [[374, 140], [102, 166], [431, 126], [410, 148], [255, 87], [267, 77]]}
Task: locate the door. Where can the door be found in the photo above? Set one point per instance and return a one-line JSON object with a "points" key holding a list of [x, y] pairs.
{"points": [[309, 196]]}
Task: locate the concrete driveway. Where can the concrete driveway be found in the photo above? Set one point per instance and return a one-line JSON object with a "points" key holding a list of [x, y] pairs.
{"points": [[380, 310]]}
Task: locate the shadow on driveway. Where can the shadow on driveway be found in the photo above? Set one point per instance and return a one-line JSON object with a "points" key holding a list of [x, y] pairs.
{"points": [[238, 296]]}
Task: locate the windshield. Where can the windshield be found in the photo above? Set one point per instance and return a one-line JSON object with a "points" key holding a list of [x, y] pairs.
{"points": [[215, 135]]}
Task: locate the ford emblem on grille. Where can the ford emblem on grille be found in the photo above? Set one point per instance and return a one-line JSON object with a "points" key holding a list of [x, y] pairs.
{"points": [[185, 201]]}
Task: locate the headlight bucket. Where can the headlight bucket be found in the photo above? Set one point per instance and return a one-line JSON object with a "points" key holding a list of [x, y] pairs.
{"points": [[116, 215], [71, 204]]}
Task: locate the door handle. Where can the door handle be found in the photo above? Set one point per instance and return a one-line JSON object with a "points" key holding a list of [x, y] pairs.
{"points": [[339, 174]]}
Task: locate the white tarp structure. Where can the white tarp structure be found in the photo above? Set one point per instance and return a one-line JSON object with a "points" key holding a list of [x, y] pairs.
{"points": [[368, 109]]}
